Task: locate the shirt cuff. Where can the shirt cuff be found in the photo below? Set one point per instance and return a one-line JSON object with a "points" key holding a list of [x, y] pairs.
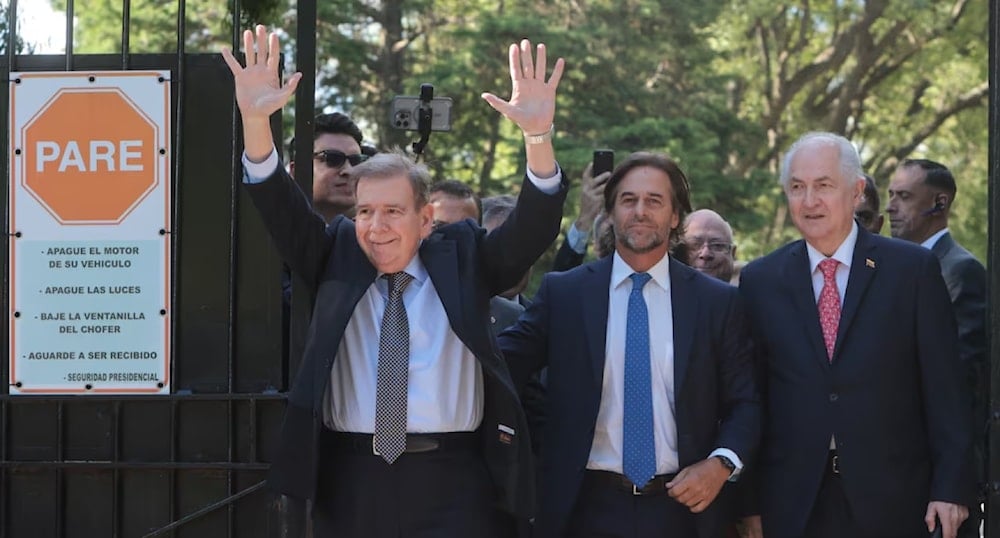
{"points": [[728, 454], [577, 239], [258, 172], [548, 185]]}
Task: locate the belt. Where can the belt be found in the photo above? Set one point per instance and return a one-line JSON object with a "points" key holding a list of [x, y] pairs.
{"points": [[415, 442], [834, 462], [656, 486]]}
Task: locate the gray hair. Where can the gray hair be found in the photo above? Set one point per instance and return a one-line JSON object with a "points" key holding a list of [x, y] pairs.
{"points": [[496, 209], [394, 164], [850, 161]]}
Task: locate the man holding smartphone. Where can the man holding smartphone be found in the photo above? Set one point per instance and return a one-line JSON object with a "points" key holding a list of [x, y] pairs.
{"points": [[574, 248]]}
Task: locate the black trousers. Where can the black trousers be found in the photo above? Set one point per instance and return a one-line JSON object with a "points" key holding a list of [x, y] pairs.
{"points": [[602, 511], [440, 494], [831, 515]]}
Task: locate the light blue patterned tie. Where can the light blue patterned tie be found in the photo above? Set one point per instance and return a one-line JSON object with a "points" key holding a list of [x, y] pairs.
{"points": [[638, 446]]}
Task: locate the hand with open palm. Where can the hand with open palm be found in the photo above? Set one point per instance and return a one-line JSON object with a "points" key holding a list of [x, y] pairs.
{"points": [[259, 92]]}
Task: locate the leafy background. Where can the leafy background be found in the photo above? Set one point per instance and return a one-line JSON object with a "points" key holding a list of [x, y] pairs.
{"points": [[721, 85]]}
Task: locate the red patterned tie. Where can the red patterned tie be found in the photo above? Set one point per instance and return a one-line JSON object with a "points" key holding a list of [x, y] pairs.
{"points": [[829, 304]]}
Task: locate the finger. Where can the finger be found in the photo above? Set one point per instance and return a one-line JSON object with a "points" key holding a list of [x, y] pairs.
{"points": [[514, 60], [689, 498], [699, 507], [557, 72], [231, 61], [540, 62], [527, 64], [272, 52], [602, 179], [293, 82], [929, 518], [261, 44], [498, 104], [251, 58]]}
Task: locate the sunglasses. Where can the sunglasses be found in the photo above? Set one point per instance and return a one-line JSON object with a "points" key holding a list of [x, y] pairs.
{"points": [[336, 158]]}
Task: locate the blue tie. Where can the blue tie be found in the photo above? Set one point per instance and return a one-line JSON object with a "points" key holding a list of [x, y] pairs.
{"points": [[638, 446]]}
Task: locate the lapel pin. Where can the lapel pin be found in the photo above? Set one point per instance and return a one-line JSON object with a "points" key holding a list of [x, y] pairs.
{"points": [[506, 434], [870, 263]]}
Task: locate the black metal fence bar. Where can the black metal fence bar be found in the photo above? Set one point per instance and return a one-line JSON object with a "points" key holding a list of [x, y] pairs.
{"points": [[136, 465], [69, 34], [5, 487], [126, 32], [992, 524], [228, 501]]}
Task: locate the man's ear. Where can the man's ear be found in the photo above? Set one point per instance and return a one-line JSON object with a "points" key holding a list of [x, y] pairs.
{"points": [[291, 168], [426, 213]]}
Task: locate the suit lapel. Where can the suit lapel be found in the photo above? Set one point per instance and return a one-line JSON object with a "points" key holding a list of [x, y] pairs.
{"points": [[863, 265], [440, 259], [595, 313], [683, 294], [799, 279]]}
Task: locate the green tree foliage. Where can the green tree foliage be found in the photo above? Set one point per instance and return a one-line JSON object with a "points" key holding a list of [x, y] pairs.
{"points": [[723, 86], [20, 47], [153, 23], [899, 77]]}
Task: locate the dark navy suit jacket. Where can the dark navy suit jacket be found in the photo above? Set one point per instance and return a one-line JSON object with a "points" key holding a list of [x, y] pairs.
{"points": [[890, 395], [565, 328], [467, 267]]}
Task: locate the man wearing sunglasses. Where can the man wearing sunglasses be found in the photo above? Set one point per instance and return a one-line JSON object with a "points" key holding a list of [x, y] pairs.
{"points": [[336, 148]]}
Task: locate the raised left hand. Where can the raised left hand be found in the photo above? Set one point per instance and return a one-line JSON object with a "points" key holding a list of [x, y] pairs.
{"points": [[697, 485], [532, 104], [951, 516]]}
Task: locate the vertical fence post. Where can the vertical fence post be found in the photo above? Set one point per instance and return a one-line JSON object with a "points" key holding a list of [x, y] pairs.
{"points": [[992, 524]]}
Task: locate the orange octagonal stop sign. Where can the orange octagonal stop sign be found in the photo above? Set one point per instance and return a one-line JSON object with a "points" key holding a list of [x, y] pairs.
{"points": [[90, 155]]}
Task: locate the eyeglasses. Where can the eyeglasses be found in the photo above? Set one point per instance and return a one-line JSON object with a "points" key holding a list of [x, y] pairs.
{"points": [[695, 244], [336, 158]]}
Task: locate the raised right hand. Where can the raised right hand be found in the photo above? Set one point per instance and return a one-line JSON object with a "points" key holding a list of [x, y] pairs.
{"points": [[259, 92]]}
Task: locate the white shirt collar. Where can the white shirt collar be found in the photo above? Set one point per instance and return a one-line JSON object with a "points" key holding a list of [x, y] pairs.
{"points": [[620, 271], [843, 254], [932, 240], [415, 269]]}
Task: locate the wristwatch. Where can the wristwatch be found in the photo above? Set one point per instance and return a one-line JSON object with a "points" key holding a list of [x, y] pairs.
{"points": [[734, 473]]}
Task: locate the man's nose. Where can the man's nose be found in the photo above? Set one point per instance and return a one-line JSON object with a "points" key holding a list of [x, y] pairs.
{"points": [[809, 197]]}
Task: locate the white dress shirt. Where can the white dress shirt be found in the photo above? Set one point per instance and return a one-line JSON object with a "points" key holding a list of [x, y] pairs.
{"points": [[606, 450], [843, 254], [445, 391], [445, 385]]}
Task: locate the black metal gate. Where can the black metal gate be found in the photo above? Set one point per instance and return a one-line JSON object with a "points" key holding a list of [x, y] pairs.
{"points": [[191, 464]]}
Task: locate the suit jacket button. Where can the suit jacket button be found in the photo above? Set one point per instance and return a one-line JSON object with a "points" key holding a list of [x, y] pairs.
{"points": [[834, 397]]}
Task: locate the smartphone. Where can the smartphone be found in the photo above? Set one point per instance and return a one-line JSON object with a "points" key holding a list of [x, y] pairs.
{"points": [[604, 161], [406, 113]]}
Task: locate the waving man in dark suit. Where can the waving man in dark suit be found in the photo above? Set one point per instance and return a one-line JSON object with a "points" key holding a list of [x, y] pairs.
{"points": [[403, 420]]}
